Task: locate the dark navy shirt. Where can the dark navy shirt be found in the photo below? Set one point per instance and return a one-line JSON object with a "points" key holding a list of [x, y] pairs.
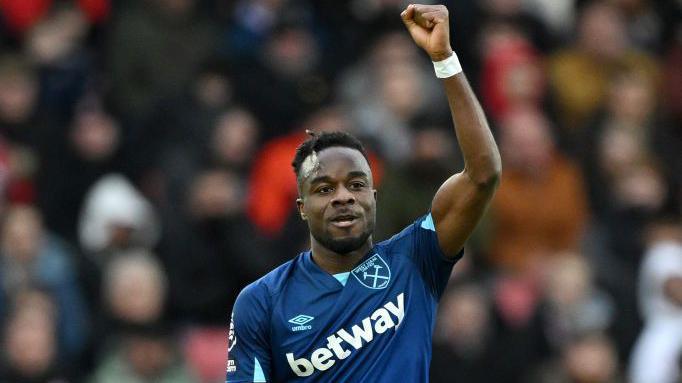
{"points": [[299, 323]]}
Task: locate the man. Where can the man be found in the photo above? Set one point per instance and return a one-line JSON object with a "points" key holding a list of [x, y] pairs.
{"points": [[350, 310]]}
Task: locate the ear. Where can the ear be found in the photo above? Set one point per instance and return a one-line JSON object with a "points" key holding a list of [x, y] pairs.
{"points": [[300, 205], [374, 191]]}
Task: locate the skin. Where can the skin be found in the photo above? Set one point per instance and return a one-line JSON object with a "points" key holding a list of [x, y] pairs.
{"points": [[339, 181], [461, 201], [673, 290]]}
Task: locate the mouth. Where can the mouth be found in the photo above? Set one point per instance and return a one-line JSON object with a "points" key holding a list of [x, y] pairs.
{"points": [[344, 220]]}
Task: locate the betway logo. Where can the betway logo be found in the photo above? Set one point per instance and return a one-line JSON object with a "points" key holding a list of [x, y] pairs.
{"points": [[379, 322]]}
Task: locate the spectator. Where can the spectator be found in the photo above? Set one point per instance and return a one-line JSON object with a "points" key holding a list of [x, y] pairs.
{"points": [[630, 110], [33, 257], [386, 91], [573, 304], [145, 353], [511, 77], [21, 128], [73, 162], [134, 288], [635, 189], [656, 356], [233, 140], [579, 75], [188, 118], [587, 358], [251, 25], [20, 120], [465, 343], [229, 144], [212, 228], [144, 37], [408, 188], [540, 208], [116, 216], [56, 46], [286, 81], [31, 351]]}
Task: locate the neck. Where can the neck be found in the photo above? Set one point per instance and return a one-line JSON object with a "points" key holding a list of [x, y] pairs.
{"points": [[335, 263]]}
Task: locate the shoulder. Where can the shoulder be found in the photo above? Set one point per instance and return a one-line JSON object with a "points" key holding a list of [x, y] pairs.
{"points": [[271, 284], [254, 306], [424, 222], [413, 239]]}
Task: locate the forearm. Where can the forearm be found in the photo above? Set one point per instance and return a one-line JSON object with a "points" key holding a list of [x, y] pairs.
{"points": [[481, 156], [430, 29]]}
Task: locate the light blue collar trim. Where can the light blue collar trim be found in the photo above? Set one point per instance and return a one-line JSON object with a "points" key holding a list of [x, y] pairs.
{"points": [[342, 277]]}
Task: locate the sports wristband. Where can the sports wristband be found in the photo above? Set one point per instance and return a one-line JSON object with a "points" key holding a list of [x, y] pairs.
{"points": [[448, 67]]}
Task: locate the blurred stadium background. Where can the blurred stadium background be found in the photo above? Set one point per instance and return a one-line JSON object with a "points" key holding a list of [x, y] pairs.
{"points": [[145, 150]]}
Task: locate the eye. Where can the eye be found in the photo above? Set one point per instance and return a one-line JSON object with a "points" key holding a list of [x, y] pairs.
{"points": [[357, 185], [324, 189]]}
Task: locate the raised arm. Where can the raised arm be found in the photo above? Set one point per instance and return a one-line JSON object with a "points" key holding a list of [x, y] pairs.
{"points": [[461, 201]]}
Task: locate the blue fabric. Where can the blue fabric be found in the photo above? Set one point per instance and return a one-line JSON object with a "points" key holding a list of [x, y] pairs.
{"points": [[300, 324]]}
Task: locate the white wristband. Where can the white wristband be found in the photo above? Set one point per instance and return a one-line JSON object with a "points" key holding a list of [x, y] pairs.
{"points": [[448, 67]]}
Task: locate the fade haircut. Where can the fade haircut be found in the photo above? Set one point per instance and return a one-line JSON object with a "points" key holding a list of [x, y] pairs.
{"points": [[320, 141]]}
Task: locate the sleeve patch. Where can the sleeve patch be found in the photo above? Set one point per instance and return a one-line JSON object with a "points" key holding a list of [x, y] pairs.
{"points": [[258, 375]]}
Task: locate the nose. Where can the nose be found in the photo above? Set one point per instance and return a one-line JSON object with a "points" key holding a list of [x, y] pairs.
{"points": [[343, 196]]}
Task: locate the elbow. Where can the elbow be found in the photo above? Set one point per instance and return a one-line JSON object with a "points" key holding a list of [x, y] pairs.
{"points": [[487, 174], [490, 180]]}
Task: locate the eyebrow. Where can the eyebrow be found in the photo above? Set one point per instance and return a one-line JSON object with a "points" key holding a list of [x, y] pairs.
{"points": [[353, 174]]}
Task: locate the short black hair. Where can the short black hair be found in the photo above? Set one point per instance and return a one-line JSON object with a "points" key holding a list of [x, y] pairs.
{"points": [[320, 141]]}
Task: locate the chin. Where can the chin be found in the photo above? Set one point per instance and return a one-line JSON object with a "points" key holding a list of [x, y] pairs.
{"points": [[345, 245]]}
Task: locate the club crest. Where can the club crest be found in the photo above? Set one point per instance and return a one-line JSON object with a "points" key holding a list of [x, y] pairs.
{"points": [[373, 273]]}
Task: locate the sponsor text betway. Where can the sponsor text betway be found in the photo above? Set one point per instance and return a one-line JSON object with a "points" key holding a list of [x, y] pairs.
{"points": [[383, 319]]}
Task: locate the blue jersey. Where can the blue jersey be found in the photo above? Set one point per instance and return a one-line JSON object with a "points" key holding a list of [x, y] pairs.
{"points": [[299, 323]]}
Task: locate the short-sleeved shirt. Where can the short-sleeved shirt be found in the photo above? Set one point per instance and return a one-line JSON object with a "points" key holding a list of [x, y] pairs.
{"points": [[299, 323]]}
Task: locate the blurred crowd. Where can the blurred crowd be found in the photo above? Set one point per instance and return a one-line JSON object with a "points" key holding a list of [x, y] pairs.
{"points": [[145, 151]]}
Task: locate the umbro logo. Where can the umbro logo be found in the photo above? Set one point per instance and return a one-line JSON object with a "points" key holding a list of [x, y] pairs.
{"points": [[300, 322]]}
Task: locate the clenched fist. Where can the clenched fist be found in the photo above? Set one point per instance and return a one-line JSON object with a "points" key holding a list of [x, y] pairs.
{"points": [[429, 26]]}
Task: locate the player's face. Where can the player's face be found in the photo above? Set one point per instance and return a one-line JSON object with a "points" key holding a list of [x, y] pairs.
{"points": [[338, 199]]}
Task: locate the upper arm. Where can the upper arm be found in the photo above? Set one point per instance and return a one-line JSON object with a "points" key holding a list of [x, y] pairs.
{"points": [[457, 207], [248, 353]]}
